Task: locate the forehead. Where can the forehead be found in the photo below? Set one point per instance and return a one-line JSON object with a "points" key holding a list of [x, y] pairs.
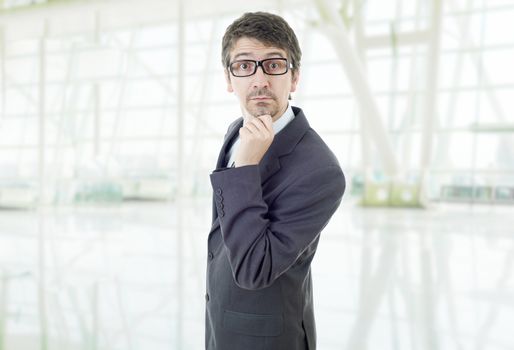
{"points": [[253, 48]]}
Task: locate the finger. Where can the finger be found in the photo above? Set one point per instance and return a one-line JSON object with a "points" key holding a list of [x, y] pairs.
{"points": [[244, 132], [267, 121], [254, 129], [259, 124]]}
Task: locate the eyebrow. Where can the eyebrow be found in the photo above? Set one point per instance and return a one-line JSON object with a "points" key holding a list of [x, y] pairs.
{"points": [[268, 55]]}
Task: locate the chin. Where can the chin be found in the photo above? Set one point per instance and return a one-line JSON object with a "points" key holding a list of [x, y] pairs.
{"points": [[261, 110]]}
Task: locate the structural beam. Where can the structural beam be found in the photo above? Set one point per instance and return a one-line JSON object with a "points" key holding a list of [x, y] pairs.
{"points": [[359, 47], [333, 26], [42, 116], [2, 72], [401, 39], [179, 166], [430, 116]]}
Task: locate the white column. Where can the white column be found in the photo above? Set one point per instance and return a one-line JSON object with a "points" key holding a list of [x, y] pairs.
{"points": [[96, 94], [2, 71], [430, 116], [42, 188], [359, 47], [43, 192], [180, 164], [335, 30], [180, 100], [3, 307]]}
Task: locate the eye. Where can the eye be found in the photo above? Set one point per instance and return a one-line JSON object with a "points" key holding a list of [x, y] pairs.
{"points": [[277, 66], [244, 66]]}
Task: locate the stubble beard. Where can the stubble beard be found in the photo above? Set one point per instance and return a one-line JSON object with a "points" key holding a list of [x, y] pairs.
{"points": [[258, 108], [262, 108]]}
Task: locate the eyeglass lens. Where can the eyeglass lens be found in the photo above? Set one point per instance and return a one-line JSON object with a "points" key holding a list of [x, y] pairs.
{"points": [[272, 66]]}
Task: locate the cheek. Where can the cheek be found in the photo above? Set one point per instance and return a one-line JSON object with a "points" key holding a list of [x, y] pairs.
{"points": [[239, 90], [287, 88]]}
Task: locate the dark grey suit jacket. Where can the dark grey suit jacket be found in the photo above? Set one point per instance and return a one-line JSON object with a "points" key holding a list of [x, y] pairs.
{"points": [[267, 220]]}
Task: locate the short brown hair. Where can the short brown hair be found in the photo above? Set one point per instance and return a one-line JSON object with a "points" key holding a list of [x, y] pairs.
{"points": [[266, 27]]}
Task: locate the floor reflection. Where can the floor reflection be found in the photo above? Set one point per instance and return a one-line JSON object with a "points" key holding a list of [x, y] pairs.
{"points": [[132, 277]]}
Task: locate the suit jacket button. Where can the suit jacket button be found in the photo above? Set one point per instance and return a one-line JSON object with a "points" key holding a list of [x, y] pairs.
{"points": [[218, 191], [211, 256], [206, 296]]}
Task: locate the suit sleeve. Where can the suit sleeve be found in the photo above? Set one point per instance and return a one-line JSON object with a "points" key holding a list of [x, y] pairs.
{"points": [[263, 242]]}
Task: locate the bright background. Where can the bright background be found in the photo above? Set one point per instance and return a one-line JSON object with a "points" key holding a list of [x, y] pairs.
{"points": [[112, 114]]}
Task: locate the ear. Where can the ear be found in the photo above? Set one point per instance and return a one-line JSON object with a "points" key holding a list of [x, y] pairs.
{"points": [[295, 77], [227, 79]]}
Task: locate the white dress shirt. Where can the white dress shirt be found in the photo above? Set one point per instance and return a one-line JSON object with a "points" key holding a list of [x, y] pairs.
{"points": [[278, 125]]}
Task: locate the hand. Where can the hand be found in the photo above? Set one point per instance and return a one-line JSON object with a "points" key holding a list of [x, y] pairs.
{"points": [[256, 137]]}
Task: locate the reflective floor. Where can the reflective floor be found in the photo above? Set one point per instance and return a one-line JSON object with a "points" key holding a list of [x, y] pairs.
{"points": [[131, 277]]}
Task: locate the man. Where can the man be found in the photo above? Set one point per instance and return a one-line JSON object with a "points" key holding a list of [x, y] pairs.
{"points": [[276, 185]]}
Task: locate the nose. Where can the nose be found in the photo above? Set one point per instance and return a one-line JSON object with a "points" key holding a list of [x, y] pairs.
{"points": [[260, 79]]}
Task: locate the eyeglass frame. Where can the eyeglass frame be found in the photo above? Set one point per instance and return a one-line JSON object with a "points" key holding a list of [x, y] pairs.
{"points": [[258, 64]]}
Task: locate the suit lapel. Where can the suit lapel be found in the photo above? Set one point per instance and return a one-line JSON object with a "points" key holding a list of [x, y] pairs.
{"points": [[233, 130], [283, 143]]}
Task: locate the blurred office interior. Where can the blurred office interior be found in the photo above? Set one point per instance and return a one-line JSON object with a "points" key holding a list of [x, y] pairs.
{"points": [[112, 114]]}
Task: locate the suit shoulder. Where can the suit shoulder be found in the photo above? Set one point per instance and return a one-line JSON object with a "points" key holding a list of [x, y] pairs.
{"points": [[313, 149], [311, 155]]}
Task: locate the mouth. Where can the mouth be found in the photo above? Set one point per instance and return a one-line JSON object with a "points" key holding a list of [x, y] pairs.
{"points": [[261, 98]]}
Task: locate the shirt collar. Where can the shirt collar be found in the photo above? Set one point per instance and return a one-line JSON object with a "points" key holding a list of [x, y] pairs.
{"points": [[284, 119], [278, 125]]}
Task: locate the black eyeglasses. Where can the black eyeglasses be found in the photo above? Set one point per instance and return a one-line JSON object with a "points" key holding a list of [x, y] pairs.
{"points": [[270, 66]]}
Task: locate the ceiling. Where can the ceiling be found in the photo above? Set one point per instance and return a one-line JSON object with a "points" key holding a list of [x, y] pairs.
{"points": [[64, 17]]}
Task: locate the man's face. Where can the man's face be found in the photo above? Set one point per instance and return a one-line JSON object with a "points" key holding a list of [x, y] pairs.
{"points": [[260, 93]]}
